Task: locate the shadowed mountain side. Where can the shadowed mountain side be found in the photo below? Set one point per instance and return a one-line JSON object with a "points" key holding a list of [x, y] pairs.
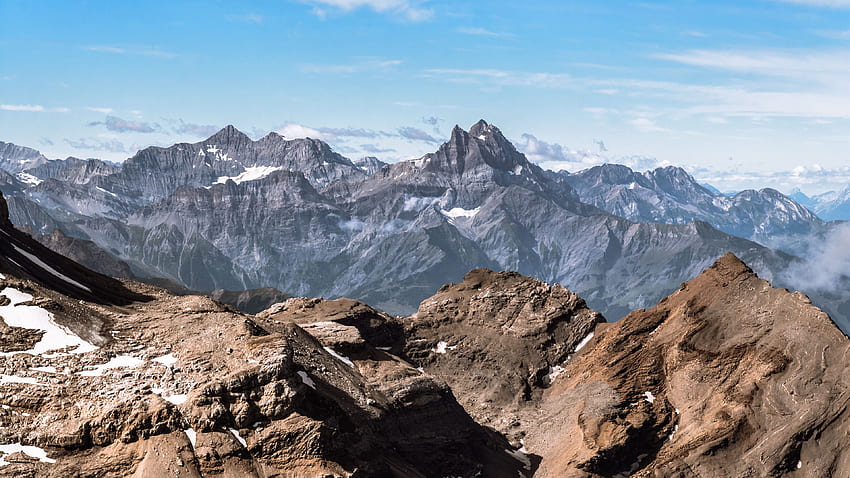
{"points": [[24, 257]]}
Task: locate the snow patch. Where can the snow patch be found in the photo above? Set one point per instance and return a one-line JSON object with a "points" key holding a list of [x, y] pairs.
{"points": [[31, 317], [47, 369], [457, 212], [168, 360], [33, 451], [105, 191], [250, 174], [521, 457], [176, 399], [649, 396], [120, 361], [583, 342], [49, 269], [675, 429], [306, 379], [554, 372], [238, 437], [28, 179], [16, 379], [339, 357], [190, 433], [442, 347]]}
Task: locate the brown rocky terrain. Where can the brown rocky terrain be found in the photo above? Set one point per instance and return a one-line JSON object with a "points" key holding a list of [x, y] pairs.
{"points": [[498, 339], [725, 377]]}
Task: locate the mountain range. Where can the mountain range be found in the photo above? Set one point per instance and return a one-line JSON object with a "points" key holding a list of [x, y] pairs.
{"points": [[232, 213]]}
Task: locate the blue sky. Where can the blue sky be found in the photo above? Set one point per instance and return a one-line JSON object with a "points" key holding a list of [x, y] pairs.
{"points": [[742, 94]]}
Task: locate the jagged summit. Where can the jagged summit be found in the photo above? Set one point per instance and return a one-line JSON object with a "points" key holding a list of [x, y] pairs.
{"points": [[228, 135]]}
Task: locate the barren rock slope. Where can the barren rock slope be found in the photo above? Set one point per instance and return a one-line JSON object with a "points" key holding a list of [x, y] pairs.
{"points": [[726, 377]]}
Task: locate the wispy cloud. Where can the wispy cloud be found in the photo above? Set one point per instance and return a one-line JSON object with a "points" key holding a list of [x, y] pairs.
{"points": [[97, 109], [820, 3], [478, 31], [105, 49], [96, 144], [371, 64], [34, 109], [557, 157], [375, 149], [502, 77], [120, 125], [834, 34], [646, 125], [246, 18], [416, 134], [351, 132], [199, 130], [144, 51], [410, 10], [433, 122], [295, 131]]}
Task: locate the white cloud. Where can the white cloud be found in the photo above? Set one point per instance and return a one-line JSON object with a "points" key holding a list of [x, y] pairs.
{"points": [[407, 9], [820, 3], [99, 110], [106, 49], [370, 64], [556, 157], [295, 130], [155, 52], [646, 125], [502, 77], [246, 18], [34, 109]]}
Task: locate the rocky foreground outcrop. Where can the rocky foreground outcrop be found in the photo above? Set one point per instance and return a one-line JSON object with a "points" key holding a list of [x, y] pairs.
{"points": [[725, 377]]}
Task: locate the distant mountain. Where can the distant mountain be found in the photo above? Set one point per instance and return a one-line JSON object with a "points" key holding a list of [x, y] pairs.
{"points": [[232, 213], [670, 195], [834, 205], [14, 158], [369, 165]]}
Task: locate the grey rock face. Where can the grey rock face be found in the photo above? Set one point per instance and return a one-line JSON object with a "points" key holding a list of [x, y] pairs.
{"points": [[370, 165], [14, 158]]}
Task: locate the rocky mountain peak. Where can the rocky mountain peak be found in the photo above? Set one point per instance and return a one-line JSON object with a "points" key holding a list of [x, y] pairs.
{"points": [[498, 324], [483, 144], [228, 135], [14, 158], [369, 164], [729, 267]]}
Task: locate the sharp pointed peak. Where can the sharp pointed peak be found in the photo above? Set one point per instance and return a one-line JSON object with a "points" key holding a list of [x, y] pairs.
{"points": [[228, 132]]}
